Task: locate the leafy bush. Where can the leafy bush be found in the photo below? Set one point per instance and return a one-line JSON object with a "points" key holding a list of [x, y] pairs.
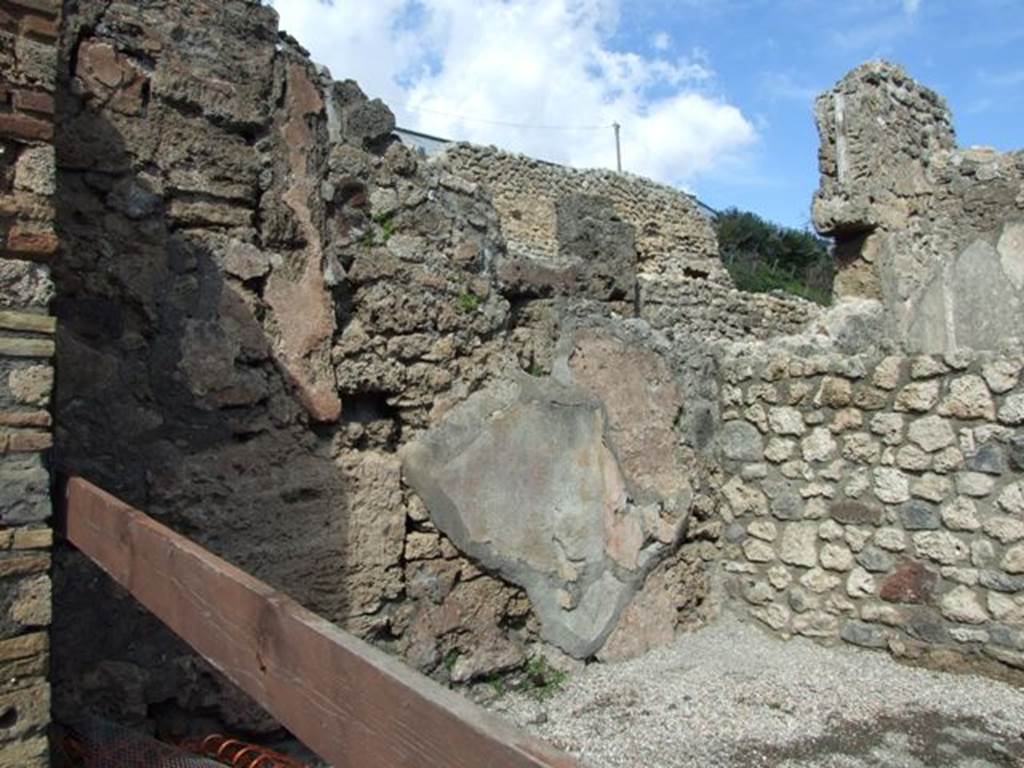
{"points": [[763, 257]]}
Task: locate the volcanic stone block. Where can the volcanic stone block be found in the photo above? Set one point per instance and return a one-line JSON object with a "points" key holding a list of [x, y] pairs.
{"points": [[521, 478]]}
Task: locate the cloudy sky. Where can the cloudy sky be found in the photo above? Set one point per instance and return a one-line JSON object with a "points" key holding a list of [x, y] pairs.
{"points": [[713, 96]]}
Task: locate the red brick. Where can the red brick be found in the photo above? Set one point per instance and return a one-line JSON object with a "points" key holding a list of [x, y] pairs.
{"points": [[45, 7], [40, 28], [34, 244], [28, 442], [33, 101], [25, 419], [25, 128]]}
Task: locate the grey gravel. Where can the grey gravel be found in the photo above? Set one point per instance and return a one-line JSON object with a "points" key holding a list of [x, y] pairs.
{"points": [[730, 695]]}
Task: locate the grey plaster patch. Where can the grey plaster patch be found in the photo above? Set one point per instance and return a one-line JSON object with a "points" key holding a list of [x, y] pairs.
{"points": [[521, 477]]}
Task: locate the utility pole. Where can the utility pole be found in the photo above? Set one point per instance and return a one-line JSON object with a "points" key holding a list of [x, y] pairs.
{"points": [[618, 147]]}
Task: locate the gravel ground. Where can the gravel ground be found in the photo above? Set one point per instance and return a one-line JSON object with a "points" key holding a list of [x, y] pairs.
{"points": [[731, 696]]}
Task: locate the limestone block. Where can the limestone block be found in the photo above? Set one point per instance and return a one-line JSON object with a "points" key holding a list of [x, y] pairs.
{"points": [[931, 433], [785, 420], [968, 398], [941, 546], [962, 604], [891, 485]]}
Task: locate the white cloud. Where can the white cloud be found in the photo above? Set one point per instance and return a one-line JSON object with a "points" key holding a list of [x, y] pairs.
{"points": [[910, 7], [661, 41], [534, 62]]}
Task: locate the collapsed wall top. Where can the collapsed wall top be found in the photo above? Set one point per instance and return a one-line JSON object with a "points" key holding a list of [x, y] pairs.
{"points": [[933, 231]]}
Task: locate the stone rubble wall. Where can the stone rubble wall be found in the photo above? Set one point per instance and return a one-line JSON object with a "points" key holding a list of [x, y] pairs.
{"points": [[28, 244], [263, 298], [709, 311], [673, 238], [933, 231], [878, 501]]}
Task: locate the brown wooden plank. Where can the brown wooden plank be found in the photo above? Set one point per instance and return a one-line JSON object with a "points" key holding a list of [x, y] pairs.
{"points": [[352, 704]]}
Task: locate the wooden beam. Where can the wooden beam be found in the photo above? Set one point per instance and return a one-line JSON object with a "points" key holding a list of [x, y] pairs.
{"points": [[352, 704]]}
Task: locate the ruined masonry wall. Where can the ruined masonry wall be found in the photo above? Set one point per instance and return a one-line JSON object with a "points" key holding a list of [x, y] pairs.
{"points": [[933, 231], [28, 33], [710, 311], [880, 502], [672, 237]]}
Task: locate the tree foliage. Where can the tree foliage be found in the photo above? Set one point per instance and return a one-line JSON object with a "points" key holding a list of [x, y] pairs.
{"points": [[762, 256]]}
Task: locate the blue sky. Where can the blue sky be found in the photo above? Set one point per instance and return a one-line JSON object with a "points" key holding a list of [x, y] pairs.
{"points": [[714, 96]]}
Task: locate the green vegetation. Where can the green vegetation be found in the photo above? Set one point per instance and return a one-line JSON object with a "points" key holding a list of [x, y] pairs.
{"points": [[497, 683], [386, 223], [540, 679], [763, 257], [381, 232], [468, 302], [449, 660]]}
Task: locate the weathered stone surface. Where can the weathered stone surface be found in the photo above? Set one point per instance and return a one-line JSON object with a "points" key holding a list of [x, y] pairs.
{"points": [[1013, 560], [968, 398], [591, 235], [1004, 529], [910, 582], [875, 560], [891, 485], [24, 490], [864, 635], [962, 604], [521, 478], [919, 516], [819, 446], [836, 557], [642, 409], [919, 397], [1012, 498], [799, 544], [648, 622], [989, 458], [742, 441], [855, 513], [786, 421], [931, 433], [941, 546], [1001, 375], [961, 514], [974, 484]]}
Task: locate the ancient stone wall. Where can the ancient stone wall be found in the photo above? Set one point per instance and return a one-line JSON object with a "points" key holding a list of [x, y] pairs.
{"points": [[707, 311], [879, 501], [28, 243], [263, 299], [672, 237], [935, 232]]}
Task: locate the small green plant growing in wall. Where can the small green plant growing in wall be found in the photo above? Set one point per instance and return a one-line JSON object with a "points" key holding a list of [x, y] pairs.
{"points": [[449, 660], [468, 302], [386, 222], [540, 679]]}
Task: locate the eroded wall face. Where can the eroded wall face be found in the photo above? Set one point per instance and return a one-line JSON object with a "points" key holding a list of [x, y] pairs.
{"points": [[260, 300], [930, 230], [673, 238], [263, 298], [28, 244]]}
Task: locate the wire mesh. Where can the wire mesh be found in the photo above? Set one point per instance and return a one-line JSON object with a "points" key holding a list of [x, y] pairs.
{"points": [[96, 743]]}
